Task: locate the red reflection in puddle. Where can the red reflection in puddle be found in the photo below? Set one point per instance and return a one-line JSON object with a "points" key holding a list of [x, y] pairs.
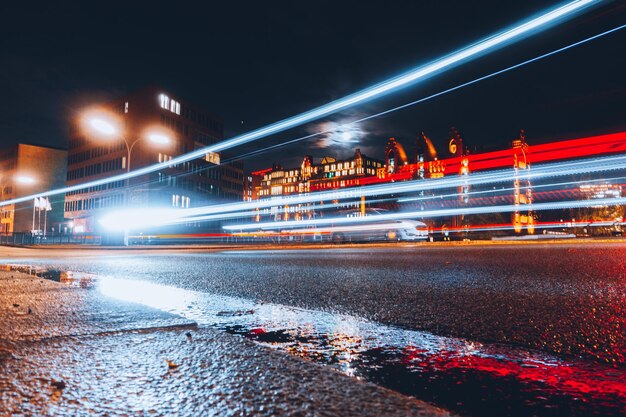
{"points": [[598, 389]]}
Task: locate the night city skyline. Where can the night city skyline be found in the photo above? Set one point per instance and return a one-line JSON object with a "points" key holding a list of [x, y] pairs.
{"points": [[378, 209], [247, 69]]}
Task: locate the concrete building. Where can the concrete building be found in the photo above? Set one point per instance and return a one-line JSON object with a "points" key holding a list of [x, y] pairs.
{"points": [[186, 128], [29, 169]]}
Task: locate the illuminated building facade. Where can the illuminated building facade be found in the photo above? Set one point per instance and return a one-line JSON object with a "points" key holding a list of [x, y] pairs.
{"points": [[329, 173], [29, 169], [520, 192], [334, 174], [194, 183]]}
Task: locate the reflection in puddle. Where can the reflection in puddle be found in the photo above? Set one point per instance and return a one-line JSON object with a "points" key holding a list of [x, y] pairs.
{"points": [[75, 279], [467, 377]]}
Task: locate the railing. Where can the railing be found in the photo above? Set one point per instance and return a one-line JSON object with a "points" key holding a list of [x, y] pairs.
{"points": [[50, 239]]}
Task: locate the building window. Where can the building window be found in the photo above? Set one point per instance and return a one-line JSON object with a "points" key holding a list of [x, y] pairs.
{"points": [[171, 105], [126, 107], [212, 157], [164, 101]]}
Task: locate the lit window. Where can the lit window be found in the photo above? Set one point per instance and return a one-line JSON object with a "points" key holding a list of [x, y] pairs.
{"points": [[126, 107], [165, 101]]}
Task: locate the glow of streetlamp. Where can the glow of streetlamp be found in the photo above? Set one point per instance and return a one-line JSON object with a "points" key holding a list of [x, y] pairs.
{"points": [[103, 126], [23, 179], [159, 138]]}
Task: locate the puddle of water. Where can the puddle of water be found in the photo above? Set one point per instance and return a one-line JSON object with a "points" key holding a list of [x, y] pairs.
{"points": [[75, 279], [467, 377]]}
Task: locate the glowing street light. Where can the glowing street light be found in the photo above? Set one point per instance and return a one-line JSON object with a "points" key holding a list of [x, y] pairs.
{"points": [[106, 126], [38, 203], [25, 179], [159, 138], [103, 126]]}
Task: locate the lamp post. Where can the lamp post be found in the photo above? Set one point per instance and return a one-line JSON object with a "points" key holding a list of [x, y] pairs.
{"points": [[108, 128], [1, 208], [28, 180]]}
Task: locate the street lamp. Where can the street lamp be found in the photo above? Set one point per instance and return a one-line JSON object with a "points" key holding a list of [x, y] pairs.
{"points": [[20, 179], [37, 203], [2, 209], [105, 126], [108, 128]]}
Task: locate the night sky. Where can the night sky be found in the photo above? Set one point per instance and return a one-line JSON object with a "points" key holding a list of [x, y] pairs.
{"points": [[254, 63]]}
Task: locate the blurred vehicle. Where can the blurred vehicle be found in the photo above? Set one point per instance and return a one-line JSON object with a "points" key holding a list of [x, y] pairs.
{"points": [[371, 229]]}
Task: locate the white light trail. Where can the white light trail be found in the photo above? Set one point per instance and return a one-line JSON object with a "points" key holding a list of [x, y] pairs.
{"points": [[432, 96], [593, 165], [420, 73], [502, 190], [136, 219], [388, 225], [509, 208], [231, 215], [536, 226], [155, 217]]}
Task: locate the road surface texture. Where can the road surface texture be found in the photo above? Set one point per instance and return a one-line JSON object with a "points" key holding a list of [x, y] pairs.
{"points": [[565, 299], [70, 351]]}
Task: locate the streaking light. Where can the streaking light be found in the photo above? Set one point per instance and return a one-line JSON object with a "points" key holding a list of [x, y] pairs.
{"points": [[131, 219], [538, 172], [432, 96], [509, 208], [134, 219], [223, 216], [503, 190], [433, 68]]}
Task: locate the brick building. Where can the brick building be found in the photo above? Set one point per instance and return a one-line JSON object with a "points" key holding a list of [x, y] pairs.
{"points": [[25, 170]]}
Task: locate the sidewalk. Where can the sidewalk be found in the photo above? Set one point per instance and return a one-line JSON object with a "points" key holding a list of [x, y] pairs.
{"points": [[71, 351]]}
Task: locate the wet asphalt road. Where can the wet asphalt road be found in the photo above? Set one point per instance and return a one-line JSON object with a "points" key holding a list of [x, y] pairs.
{"points": [[67, 350], [568, 299]]}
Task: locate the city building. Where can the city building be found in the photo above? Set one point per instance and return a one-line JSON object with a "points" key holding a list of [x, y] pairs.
{"points": [[25, 170], [328, 174], [154, 126], [332, 174], [518, 191]]}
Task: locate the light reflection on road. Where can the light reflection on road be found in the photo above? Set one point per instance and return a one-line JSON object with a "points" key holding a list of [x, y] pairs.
{"points": [[468, 377]]}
